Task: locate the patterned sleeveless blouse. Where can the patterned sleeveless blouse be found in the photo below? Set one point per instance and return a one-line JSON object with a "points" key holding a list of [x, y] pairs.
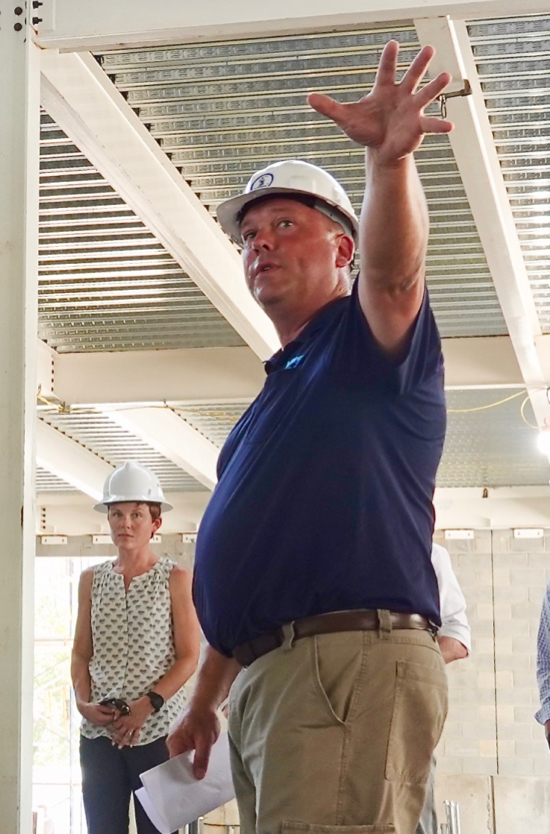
{"points": [[133, 643]]}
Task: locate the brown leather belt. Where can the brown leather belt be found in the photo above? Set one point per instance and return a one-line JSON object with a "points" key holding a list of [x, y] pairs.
{"points": [[335, 621]]}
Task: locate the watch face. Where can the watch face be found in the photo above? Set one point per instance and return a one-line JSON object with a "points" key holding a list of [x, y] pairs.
{"points": [[157, 701]]}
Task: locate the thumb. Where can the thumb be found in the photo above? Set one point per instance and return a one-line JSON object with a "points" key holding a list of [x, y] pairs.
{"points": [[326, 106]]}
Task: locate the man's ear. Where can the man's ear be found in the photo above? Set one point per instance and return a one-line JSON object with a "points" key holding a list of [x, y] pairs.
{"points": [[346, 250]]}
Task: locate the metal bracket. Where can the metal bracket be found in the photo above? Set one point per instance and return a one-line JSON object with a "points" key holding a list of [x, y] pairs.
{"points": [[465, 91]]}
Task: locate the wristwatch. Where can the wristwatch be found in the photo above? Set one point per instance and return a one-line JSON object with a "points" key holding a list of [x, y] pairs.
{"points": [[157, 701]]}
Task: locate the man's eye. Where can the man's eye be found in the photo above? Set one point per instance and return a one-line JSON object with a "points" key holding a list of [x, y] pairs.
{"points": [[248, 236], [285, 223]]}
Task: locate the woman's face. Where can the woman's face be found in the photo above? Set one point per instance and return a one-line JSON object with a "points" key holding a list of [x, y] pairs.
{"points": [[132, 525]]}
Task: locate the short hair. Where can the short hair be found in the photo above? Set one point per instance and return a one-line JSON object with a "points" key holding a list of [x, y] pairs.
{"points": [[154, 507]]}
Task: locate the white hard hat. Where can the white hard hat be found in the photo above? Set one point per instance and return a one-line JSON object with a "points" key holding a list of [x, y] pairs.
{"points": [[292, 176], [132, 482]]}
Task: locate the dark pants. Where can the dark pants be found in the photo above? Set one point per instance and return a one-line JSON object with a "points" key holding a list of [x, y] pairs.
{"points": [[109, 776]]}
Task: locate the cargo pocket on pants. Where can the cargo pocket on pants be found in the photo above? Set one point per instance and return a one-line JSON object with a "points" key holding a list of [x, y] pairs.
{"points": [[418, 716], [305, 828]]}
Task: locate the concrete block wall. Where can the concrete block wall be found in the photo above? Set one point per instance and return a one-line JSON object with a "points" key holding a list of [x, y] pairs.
{"points": [[493, 757]]}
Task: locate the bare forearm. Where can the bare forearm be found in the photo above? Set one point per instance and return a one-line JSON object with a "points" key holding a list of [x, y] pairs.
{"points": [[394, 224], [176, 676], [80, 677], [215, 677]]}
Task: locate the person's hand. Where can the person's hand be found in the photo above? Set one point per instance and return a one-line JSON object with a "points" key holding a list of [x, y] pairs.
{"points": [[452, 649], [97, 714], [197, 730], [390, 119], [547, 732], [126, 729]]}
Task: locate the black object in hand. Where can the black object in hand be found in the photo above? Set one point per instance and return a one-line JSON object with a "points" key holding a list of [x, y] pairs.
{"points": [[118, 703]]}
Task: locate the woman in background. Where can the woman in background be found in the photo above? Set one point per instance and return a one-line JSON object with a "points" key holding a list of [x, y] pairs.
{"points": [[136, 644]]}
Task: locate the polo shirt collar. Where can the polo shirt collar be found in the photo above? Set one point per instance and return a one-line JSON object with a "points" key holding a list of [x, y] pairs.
{"points": [[319, 321]]}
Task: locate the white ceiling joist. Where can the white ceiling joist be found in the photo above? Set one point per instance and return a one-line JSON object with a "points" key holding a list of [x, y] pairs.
{"points": [[187, 375], [170, 435], [476, 157], [70, 461], [225, 375], [87, 106], [80, 25]]}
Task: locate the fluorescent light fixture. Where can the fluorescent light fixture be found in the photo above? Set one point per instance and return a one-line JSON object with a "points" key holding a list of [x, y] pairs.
{"points": [[528, 533], [53, 539], [459, 534]]}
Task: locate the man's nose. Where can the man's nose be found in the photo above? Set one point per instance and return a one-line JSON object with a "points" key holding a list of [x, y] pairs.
{"points": [[263, 239]]}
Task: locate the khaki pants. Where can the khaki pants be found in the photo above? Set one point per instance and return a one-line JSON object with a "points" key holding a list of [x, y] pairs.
{"points": [[334, 734]]}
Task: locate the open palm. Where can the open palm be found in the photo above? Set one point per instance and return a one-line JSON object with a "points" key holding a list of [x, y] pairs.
{"points": [[390, 119]]}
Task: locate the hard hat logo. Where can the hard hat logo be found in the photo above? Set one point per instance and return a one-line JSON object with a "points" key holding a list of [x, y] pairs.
{"points": [[291, 176], [132, 482], [263, 181]]}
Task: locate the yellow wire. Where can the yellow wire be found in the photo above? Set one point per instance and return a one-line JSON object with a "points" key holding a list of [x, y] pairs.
{"points": [[490, 405], [523, 417]]}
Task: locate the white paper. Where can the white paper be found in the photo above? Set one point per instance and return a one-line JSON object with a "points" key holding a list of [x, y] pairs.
{"points": [[172, 797]]}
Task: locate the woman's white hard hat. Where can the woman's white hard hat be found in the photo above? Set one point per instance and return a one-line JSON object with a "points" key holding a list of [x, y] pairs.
{"points": [[292, 176], [132, 482]]}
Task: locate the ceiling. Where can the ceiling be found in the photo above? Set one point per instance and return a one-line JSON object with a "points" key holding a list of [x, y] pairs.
{"points": [[149, 346]]}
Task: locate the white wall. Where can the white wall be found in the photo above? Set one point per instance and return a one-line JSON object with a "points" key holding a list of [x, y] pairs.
{"points": [[493, 758]]}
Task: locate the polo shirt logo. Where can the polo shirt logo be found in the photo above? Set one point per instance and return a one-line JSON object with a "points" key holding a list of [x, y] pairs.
{"points": [[292, 363]]}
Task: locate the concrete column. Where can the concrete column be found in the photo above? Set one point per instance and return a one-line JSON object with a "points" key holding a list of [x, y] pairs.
{"points": [[19, 149]]}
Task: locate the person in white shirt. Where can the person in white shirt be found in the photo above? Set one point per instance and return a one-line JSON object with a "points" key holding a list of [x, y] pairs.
{"points": [[455, 642]]}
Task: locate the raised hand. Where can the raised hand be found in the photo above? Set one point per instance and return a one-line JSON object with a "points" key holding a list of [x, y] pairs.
{"points": [[390, 119]]}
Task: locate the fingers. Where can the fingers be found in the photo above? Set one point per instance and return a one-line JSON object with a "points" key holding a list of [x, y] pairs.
{"points": [[202, 757], [433, 124], [388, 64], [432, 90], [326, 106], [417, 69], [178, 742]]}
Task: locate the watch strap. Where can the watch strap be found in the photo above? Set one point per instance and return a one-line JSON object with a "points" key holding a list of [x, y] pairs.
{"points": [[157, 701]]}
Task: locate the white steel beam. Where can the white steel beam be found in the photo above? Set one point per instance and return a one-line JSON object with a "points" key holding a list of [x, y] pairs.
{"points": [[170, 435], [80, 25], [188, 375], [497, 508], [88, 107], [477, 160], [19, 160], [225, 375], [46, 358], [70, 461]]}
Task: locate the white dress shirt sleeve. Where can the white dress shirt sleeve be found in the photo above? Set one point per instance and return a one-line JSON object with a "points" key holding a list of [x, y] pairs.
{"points": [[454, 622]]}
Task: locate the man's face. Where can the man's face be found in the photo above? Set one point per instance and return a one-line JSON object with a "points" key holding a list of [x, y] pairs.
{"points": [[291, 254], [131, 524]]}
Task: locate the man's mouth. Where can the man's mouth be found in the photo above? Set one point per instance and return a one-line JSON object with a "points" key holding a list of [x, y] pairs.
{"points": [[265, 267]]}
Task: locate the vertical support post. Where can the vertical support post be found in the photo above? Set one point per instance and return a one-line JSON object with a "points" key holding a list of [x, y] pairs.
{"points": [[19, 166]]}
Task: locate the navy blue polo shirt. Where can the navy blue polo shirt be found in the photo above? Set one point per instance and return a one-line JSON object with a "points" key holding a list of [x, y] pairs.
{"points": [[324, 498]]}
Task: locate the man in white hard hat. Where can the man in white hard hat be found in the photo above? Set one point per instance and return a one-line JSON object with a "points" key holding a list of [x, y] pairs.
{"points": [[136, 644], [313, 580]]}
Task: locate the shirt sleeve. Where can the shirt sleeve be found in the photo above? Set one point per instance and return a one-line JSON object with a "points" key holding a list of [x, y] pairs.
{"points": [[543, 660], [358, 357], [454, 622]]}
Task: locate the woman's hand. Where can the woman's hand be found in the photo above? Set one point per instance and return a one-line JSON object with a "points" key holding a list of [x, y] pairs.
{"points": [[126, 729], [97, 714]]}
